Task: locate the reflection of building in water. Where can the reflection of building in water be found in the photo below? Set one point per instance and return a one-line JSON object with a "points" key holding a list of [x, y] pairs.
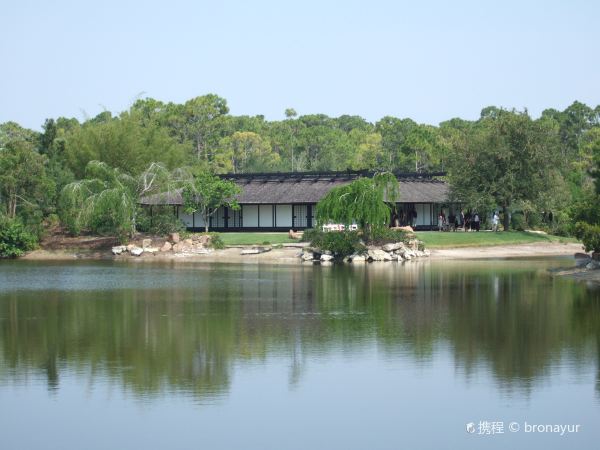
{"points": [[187, 332]]}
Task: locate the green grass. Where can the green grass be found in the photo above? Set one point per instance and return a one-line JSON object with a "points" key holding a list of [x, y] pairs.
{"points": [[255, 238], [436, 239]]}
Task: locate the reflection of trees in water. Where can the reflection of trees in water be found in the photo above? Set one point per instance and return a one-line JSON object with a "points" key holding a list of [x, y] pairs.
{"points": [[188, 337]]}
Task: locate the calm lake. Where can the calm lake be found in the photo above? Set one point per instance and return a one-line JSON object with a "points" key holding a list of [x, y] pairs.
{"points": [[107, 355]]}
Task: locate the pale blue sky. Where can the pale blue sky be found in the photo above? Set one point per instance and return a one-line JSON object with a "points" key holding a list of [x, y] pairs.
{"points": [[428, 60]]}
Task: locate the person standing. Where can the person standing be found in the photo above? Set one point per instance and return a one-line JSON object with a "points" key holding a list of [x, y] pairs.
{"points": [[476, 221], [495, 221], [440, 221], [414, 218]]}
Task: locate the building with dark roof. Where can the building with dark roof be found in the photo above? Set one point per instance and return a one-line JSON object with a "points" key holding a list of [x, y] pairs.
{"points": [[284, 201]]}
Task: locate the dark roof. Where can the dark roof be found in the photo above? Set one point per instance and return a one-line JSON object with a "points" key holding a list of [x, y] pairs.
{"points": [[310, 187]]}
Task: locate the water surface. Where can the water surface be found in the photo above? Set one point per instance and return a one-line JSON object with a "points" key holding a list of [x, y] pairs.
{"points": [[108, 355]]}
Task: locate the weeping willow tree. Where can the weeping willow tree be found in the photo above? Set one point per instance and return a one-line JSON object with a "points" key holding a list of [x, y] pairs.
{"points": [[363, 201], [105, 201]]}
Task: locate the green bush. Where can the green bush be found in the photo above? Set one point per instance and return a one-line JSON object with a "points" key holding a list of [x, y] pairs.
{"points": [[216, 241], [380, 236], [517, 221], [309, 235], [589, 235], [15, 239], [339, 243]]}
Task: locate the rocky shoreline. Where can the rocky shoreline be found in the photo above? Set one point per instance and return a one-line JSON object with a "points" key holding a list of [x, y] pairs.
{"points": [[396, 251]]}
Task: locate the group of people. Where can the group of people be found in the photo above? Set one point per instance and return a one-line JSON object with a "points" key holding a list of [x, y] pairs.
{"points": [[469, 221]]}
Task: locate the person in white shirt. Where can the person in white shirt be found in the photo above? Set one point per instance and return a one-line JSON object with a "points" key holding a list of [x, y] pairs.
{"points": [[495, 221]]}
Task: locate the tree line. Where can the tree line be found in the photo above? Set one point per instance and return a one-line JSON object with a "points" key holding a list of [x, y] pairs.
{"points": [[531, 169]]}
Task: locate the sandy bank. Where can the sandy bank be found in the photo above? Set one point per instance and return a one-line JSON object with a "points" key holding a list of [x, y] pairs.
{"points": [[289, 254], [508, 251]]}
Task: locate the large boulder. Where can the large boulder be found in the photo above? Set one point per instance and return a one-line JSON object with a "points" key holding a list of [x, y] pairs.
{"points": [[295, 234], [151, 250], [119, 249], [178, 247], [188, 242], [136, 251], [358, 257], [146, 243], [413, 244], [174, 238], [325, 257], [204, 239], [376, 254], [307, 256], [593, 265], [166, 247], [392, 247]]}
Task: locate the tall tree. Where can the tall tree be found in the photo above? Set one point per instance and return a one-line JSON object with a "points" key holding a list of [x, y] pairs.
{"points": [[507, 158], [202, 116], [205, 193], [24, 185]]}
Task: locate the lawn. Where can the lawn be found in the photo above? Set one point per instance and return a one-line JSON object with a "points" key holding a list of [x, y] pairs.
{"points": [[436, 239], [255, 238]]}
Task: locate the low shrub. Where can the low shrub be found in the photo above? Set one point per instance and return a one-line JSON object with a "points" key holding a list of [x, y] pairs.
{"points": [[216, 241], [381, 236], [309, 234], [15, 238], [517, 221], [589, 235], [339, 243]]}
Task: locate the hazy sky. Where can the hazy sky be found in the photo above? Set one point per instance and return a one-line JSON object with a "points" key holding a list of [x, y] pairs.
{"points": [[428, 60]]}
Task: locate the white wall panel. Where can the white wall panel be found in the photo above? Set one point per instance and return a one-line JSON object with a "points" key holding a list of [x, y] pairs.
{"points": [[283, 215], [250, 215], [266, 215]]}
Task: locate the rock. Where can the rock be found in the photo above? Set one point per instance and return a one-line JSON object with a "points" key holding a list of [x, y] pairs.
{"points": [[413, 244], [204, 239], [419, 253], [174, 238], [392, 247], [178, 248], [166, 247], [426, 253], [129, 247], [325, 257], [136, 251], [295, 234], [358, 258], [146, 243], [255, 250], [379, 255], [307, 256], [188, 242], [119, 249], [593, 265]]}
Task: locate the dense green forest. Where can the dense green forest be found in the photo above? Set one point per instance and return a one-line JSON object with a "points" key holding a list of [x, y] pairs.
{"points": [[506, 159]]}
